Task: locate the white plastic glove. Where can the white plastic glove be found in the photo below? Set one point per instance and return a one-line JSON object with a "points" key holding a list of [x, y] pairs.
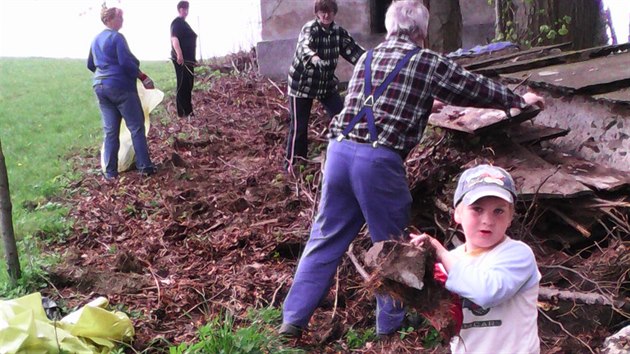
{"points": [[146, 81], [534, 99]]}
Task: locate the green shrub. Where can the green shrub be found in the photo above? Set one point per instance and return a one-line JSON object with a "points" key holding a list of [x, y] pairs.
{"points": [[356, 339], [222, 336]]}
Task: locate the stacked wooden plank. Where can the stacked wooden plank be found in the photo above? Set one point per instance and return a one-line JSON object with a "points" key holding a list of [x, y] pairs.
{"points": [[573, 212], [563, 187]]}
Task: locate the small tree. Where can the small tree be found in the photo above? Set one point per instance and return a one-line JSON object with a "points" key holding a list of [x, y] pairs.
{"points": [[6, 224], [445, 26], [544, 22]]}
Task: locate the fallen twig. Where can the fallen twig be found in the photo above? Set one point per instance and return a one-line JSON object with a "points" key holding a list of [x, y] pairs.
{"points": [[567, 332], [356, 263], [334, 311], [276, 86], [581, 297]]}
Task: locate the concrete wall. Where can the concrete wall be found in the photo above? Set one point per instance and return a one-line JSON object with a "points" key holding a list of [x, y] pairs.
{"points": [[282, 20]]}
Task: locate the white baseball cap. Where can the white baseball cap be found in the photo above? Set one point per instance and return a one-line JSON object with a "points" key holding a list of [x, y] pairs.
{"points": [[484, 181]]}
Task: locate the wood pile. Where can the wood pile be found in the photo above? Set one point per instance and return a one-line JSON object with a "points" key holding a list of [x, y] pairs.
{"points": [[573, 213]]}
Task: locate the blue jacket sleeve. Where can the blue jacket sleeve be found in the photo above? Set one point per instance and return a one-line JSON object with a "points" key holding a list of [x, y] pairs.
{"points": [[128, 61], [90, 62]]}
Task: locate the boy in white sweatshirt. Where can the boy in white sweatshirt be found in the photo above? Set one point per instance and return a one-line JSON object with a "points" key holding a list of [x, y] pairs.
{"points": [[496, 276]]}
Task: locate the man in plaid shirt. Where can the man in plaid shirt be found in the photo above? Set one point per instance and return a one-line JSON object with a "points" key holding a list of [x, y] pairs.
{"points": [[364, 177], [312, 74]]}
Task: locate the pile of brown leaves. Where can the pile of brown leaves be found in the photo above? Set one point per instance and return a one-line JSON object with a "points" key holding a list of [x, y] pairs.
{"points": [[219, 227]]}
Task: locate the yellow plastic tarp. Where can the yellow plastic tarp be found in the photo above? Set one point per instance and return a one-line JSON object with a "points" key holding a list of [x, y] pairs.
{"points": [[24, 328], [149, 100]]}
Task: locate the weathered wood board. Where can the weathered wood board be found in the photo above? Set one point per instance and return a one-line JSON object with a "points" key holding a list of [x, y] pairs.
{"points": [[478, 120], [588, 75], [503, 58], [535, 177], [588, 173], [622, 95], [565, 57], [530, 133]]}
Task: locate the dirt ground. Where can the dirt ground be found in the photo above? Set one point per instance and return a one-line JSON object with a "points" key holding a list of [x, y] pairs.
{"points": [[220, 226]]}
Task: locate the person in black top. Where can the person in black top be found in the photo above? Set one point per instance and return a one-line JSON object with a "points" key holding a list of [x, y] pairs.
{"points": [[184, 45]]}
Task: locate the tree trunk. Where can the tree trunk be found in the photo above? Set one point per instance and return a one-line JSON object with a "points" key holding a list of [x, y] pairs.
{"points": [[6, 224], [588, 23], [540, 22], [445, 26]]}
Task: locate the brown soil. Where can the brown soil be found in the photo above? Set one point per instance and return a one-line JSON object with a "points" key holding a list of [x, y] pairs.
{"points": [[220, 226]]}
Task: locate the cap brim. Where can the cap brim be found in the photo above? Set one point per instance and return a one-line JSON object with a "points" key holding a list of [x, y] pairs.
{"points": [[487, 191]]}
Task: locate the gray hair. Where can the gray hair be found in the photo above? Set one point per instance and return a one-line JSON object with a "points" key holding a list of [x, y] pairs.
{"points": [[408, 17]]}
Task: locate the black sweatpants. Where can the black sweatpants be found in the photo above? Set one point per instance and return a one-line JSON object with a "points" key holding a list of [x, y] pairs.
{"points": [[185, 78], [299, 115]]}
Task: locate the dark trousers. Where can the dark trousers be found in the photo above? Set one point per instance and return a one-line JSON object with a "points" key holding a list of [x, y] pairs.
{"points": [[185, 78], [299, 115], [116, 105]]}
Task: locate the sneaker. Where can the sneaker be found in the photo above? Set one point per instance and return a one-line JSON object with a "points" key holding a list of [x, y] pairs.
{"points": [[148, 171], [414, 320], [109, 177], [290, 331], [387, 337]]}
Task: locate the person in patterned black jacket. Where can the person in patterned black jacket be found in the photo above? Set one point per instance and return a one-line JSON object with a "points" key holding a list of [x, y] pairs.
{"points": [[312, 74], [391, 94]]}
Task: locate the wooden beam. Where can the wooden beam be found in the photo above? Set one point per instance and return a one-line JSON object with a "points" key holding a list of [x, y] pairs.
{"points": [[573, 56], [491, 61], [478, 120]]}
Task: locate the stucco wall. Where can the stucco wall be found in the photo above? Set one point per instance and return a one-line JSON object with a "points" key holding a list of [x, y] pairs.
{"points": [[283, 19], [599, 129]]}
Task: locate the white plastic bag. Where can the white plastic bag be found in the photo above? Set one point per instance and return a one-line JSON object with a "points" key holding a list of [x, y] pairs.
{"points": [[126, 154]]}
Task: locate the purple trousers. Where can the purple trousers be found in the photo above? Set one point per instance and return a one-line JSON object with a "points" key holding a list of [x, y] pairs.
{"points": [[361, 184]]}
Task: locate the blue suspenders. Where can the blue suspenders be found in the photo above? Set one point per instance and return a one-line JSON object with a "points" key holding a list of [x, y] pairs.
{"points": [[371, 97]]}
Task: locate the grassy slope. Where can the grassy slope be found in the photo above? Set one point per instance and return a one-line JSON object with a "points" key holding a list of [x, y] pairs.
{"points": [[47, 113]]}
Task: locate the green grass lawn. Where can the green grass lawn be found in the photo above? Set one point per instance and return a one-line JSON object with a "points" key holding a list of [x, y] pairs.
{"points": [[48, 112]]}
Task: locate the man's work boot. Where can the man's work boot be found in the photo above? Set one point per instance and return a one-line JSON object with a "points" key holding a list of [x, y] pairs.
{"points": [[290, 331]]}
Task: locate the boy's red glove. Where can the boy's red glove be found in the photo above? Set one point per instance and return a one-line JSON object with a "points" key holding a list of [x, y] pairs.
{"points": [[456, 304]]}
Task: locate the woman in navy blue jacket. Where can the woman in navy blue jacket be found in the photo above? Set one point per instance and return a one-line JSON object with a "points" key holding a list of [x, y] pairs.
{"points": [[116, 70]]}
